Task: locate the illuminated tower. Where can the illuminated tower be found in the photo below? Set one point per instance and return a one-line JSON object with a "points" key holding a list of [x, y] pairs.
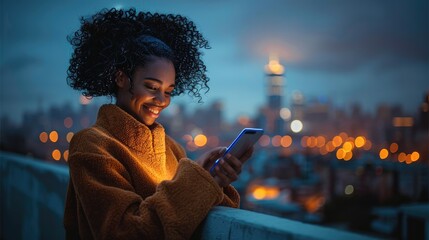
{"points": [[275, 77], [274, 72]]}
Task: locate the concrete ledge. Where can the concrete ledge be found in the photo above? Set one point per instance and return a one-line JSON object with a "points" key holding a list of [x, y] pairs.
{"points": [[32, 205], [229, 223], [415, 221], [32, 198]]}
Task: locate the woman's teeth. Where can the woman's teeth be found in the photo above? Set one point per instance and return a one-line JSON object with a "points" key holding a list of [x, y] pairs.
{"points": [[154, 111]]}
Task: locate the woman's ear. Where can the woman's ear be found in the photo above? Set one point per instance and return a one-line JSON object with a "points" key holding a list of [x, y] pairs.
{"points": [[121, 79]]}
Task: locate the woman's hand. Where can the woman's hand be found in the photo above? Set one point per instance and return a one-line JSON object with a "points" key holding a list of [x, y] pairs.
{"points": [[207, 160], [229, 168]]}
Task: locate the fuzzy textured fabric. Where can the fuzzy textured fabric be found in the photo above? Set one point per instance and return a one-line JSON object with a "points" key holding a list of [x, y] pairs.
{"points": [[128, 181]]}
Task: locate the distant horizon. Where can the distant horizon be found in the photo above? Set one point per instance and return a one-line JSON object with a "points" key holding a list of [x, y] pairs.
{"points": [[227, 117]]}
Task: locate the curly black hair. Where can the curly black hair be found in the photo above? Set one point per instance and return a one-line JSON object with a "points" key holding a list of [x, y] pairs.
{"points": [[113, 40]]}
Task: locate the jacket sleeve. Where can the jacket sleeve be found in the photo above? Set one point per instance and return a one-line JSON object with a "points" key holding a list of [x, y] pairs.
{"points": [[114, 211], [231, 197]]}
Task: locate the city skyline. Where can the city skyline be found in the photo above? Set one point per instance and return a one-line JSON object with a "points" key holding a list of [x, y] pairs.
{"points": [[80, 100], [321, 124], [347, 52]]}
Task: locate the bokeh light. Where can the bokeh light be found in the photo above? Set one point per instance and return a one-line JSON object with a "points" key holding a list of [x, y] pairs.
{"points": [[276, 141], [402, 157], [348, 146], [43, 137], [259, 193], [349, 190], [393, 147], [337, 141], [415, 156], [340, 153], [348, 156], [320, 141], [264, 140], [200, 140], [56, 154], [383, 154], [69, 136], [296, 126], [285, 114], [360, 141], [66, 155], [286, 141], [53, 136], [68, 122]]}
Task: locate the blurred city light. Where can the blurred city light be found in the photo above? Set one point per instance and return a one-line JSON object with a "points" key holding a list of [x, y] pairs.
{"points": [[383, 153], [402, 157], [68, 122], [56, 154], [53, 136], [43, 136], [69, 136], [264, 192], [286, 141], [264, 141], [348, 146], [340, 153], [415, 156], [359, 141], [200, 140], [393, 147], [403, 121], [274, 66], [66, 155], [296, 126], [285, 114], [276, 141], [337, 141], [348, 155], [349, 190]]}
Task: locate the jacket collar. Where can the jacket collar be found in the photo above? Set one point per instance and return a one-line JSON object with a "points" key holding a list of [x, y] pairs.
{"points": [[130, 131]]}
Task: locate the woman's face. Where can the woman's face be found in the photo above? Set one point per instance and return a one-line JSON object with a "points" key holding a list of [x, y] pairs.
{"points": [[151, 92]]}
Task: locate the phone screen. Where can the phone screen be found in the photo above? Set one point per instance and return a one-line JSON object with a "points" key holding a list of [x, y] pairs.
{"points": [[246, 139]]}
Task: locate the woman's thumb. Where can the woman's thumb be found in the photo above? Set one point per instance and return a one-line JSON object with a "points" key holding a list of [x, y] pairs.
{"points": [[215, 155]]}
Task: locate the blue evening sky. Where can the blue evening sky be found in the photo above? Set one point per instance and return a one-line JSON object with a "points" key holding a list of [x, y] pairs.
{"points": [[369, 52]]}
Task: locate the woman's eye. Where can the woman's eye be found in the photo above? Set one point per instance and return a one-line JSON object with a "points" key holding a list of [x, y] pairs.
{"points": [[155, 88], [150, 87]]}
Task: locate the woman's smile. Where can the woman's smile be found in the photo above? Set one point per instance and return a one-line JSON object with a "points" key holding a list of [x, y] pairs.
{"points": [[152, 110]]}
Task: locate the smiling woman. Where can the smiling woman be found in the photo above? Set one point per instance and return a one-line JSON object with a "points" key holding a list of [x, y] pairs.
{"points": [[128, 179], [151, 93]]}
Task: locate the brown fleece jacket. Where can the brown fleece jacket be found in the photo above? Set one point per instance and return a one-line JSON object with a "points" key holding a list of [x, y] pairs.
{"points": [[128, 181]]}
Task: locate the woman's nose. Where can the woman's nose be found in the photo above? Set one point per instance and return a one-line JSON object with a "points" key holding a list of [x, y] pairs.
{"points": [[160, 98]]}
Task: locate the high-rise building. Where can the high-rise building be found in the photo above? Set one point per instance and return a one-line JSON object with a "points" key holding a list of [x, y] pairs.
{"points": [[275, 83], [275, 78]]}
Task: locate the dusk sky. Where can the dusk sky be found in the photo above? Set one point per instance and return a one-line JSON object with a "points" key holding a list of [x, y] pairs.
{"points": [[367, 52]]}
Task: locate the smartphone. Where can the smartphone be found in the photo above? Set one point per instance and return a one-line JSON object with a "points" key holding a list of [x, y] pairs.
{"points": [[244, 140]]}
